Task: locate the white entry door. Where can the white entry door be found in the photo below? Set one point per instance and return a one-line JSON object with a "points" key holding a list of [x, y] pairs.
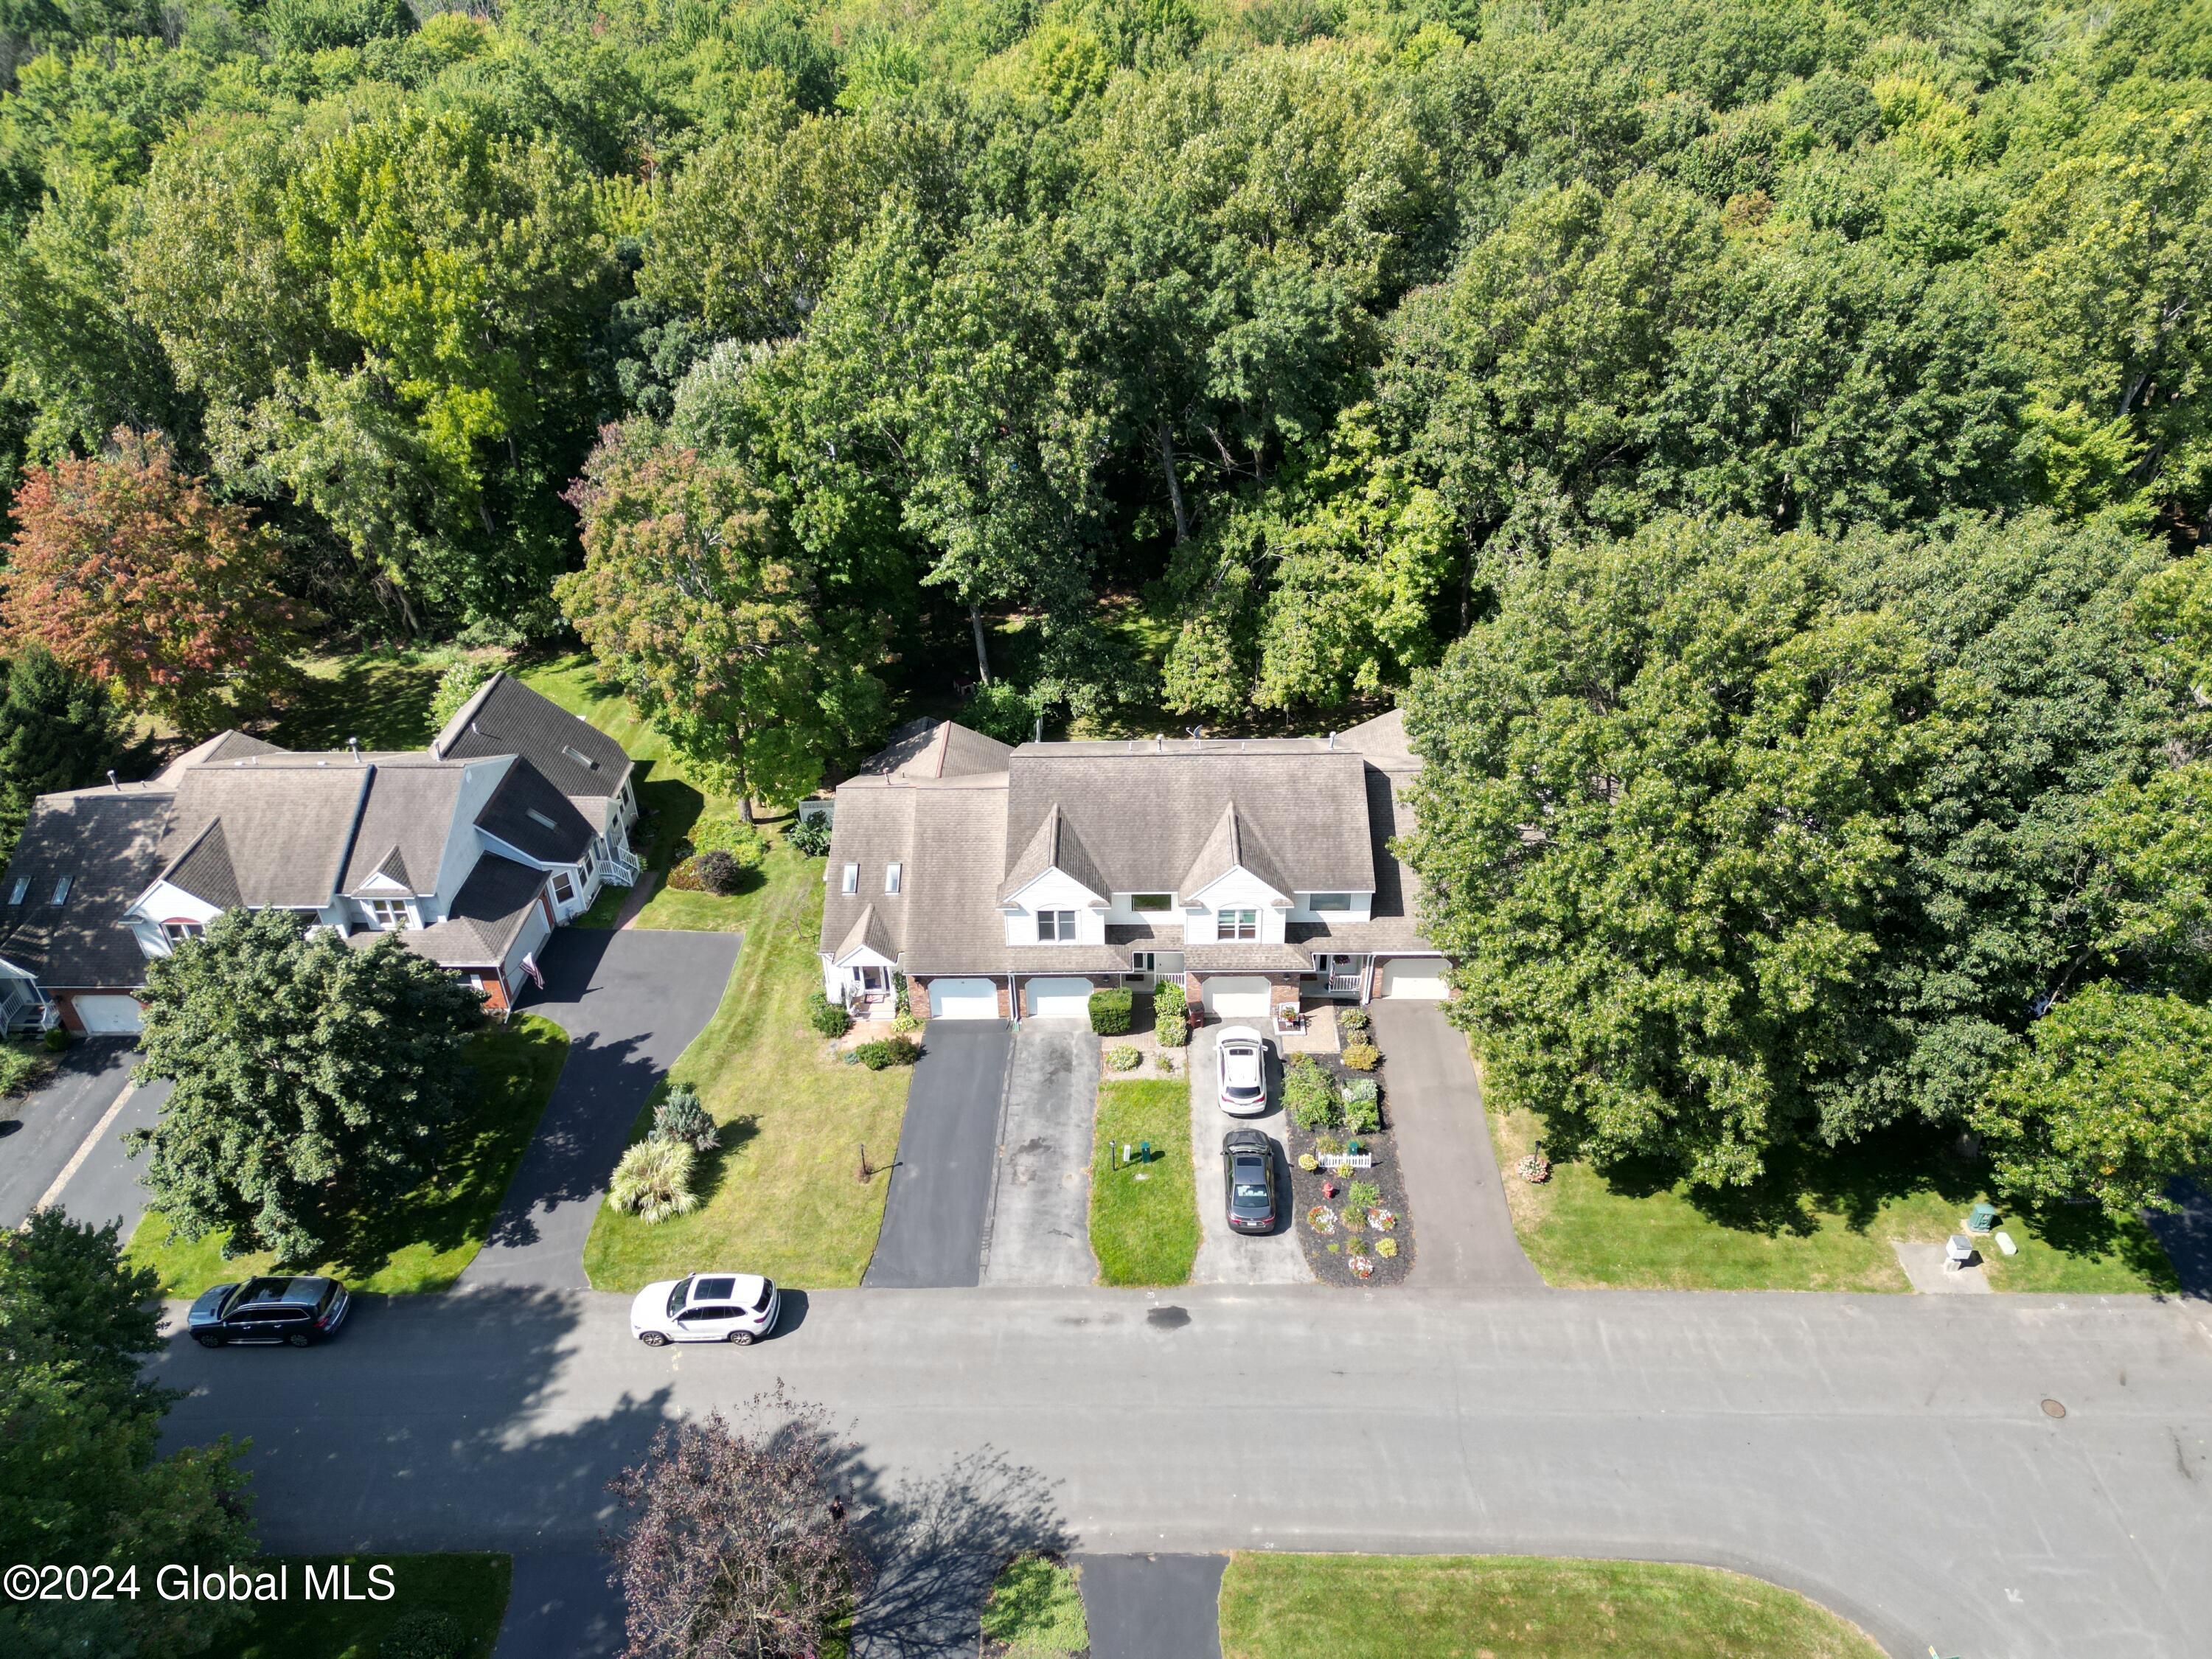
{"points": [[1415, 977], [108, 1016], [1238, 998], [963, 998], [1057, 999]]}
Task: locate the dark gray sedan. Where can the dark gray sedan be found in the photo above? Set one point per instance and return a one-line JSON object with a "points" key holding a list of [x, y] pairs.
{"points": [[1248, 1180]]}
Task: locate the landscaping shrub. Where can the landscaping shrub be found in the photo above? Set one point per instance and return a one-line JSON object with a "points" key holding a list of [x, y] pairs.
{"points": [[1363, 1194], [654, 1180], [1001, 710], [424, 1633], [1353, 1020], [1362, 1106], [1124, 1057], [20, 1068], [1362, 1056], [828, 1017], [1162, 1059], [904, 1023], [1109, 1012], [681, 1117], [809, 836], [56, 1039], [1353, 1218], [1386, 1248], [1170, 1025], [455, 686], [726, 832], [718, 873], [888, 1051], [1362, 1088], [1308, 1095]]}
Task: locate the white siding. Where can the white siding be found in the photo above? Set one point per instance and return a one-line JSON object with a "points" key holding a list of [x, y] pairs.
{"points": [[1240, 890], [463, 847], [1054, 891]]}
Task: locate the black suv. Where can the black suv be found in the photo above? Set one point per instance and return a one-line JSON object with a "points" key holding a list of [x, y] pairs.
{"points": [[297, 1311], [1248, 1180]]}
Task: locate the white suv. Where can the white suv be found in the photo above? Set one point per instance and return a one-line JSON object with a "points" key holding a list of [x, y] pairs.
{"points": [[1240, 1055], [739, 1308]]}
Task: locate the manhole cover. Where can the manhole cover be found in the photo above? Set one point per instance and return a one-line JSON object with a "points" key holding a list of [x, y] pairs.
{"points": [[1167, 1319], [2052, 1408]]}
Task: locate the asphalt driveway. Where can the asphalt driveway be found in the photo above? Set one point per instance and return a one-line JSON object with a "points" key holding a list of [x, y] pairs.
{"points": [[1463, 1233], [1040, 1226], [940, 1187], [42, 1132], [1153, 1606], [630, 1002]]}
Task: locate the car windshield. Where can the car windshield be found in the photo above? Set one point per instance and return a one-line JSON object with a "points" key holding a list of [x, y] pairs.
{"points": [[676, 1295]]}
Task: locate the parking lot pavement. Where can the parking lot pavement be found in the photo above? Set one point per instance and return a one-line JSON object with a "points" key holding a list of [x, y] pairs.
{"points": [[1040, 1227], [1153, 1606], [42, 1132], [1225, 1257], [1463, 1232], [941, 1184]]}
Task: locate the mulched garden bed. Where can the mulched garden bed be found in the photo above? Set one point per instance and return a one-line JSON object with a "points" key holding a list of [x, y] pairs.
{"points": [[1330, 1255]]}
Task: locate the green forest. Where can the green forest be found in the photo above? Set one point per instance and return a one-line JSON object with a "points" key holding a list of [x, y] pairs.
{"points": [[1763, 443]]}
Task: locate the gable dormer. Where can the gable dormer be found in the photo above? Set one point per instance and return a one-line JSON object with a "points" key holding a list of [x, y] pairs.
{"points": [[1053, 893]]}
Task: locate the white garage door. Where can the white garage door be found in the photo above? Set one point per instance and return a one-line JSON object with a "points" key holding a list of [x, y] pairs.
{"points": [[1058, 998], [1238, 999], [963, 998], [1415, 977], [107, 1016]]}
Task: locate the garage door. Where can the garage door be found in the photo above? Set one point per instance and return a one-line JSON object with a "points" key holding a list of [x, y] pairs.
{"points": [[107, 1016], [1238, 999], [1415, 977], [963, 998], [1058, 998]]}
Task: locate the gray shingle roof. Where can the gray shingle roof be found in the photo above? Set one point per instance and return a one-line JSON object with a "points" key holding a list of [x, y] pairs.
{"points": [[404, 826], [533, 817], [487, 914], [935, 749], [506, 717], [108, 842], [286, 829]]}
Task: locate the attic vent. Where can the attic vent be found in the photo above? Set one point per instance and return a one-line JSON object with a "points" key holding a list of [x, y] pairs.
{"points": [[22, 885], [536, 816], [580, 757], [61, 890]]}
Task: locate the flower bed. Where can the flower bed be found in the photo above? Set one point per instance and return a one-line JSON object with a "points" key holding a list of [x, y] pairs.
{"points": [[1339, 1251]]}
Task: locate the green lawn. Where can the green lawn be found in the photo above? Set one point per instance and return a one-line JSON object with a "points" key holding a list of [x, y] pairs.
{"points": [[1823, 1222], [782, 1196], [382, 698], [470, 1589], [1502, 1607], [1036, 1610], [1144, 1218], [422, 1241]]}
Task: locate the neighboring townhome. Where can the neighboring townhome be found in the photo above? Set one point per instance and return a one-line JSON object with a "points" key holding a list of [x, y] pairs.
{"points": [[1008, 883], [472, 851]]}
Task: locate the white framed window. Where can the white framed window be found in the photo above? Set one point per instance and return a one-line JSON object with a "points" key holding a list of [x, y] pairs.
{"points": [[178, 931], [892, 874], [851, 883], [1151, 901], [1328, 900], [1055, 927], [388, 913], [564, 887], [1238, 924]]}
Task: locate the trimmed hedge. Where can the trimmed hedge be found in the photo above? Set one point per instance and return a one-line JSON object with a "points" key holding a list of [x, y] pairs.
{"points": [[1170, 1021], [1109, 1012], [888, 1051], [828, 1017]]}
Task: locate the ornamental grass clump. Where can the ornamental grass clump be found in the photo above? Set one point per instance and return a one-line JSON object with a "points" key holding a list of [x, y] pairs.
{"points": [[654, 1180]]}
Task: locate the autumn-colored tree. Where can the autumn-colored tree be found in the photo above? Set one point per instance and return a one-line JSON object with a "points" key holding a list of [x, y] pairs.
{"points": [[128, 571]]}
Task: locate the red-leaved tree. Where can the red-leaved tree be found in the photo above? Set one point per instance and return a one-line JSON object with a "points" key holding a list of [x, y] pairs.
{"points": [[128, 571], [738, 1543]]}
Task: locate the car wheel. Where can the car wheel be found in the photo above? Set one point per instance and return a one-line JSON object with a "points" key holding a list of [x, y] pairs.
{"points": [[298, 1339], [653, 1339], [207, 1339], [741, 1339]]}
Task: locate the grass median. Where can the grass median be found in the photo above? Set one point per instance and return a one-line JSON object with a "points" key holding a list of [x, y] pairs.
{"points": [[1440, 1607], [423, 1241], [1144, 1216]]}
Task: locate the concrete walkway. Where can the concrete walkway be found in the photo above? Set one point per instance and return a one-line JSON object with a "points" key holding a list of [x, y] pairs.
{"points": [[630, 1002], [1040, 1227], [1225, 1257], [1463, 1235], [1153, 1606], [941, 1186]]}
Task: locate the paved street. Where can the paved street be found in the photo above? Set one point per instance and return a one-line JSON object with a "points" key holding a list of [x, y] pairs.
{"points": [[630, 1002], [940, 1187], [42, 1132], [1463, 1233], [1886, 1454], [1040, 1232]]}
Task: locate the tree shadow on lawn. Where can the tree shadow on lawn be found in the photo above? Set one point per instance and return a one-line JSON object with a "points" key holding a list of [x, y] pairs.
{"points": [[383, 701]]}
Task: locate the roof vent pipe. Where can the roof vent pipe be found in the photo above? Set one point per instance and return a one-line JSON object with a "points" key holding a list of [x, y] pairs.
{"points": [[112, 782], [1039, 738], [353, 748], [1332, 741]]}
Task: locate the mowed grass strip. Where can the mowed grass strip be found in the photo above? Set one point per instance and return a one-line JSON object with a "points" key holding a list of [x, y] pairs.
{"points": [[782, 1195], [1036, 1610], [471, 1591], [1143, 1218], [1368, 1607], [422, 1241]]}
